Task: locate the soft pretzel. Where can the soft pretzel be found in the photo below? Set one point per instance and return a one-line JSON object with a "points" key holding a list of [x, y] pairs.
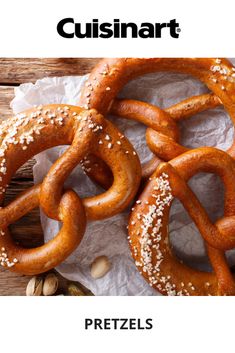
{"points": [[110, 75], [162, 134], [116, 151], [148, 226], [87, 131]]}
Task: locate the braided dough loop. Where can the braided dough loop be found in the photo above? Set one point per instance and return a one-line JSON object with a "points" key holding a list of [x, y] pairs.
{"points": [[44, 127], [110, 75], [115, 150], [45, 257], [150, 246], [16, 135], [162, 134]]}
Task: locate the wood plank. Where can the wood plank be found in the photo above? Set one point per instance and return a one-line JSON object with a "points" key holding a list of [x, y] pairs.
{"points": [[6, 96], [12, 283], [20, 70]]}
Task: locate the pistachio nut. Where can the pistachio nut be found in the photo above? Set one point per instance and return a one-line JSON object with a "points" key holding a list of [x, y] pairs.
{"points": [[34, 287], [74, 290], [50, 284]]}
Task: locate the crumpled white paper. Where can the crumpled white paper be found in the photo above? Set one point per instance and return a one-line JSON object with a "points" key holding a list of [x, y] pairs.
{"points": [[108, 237]]}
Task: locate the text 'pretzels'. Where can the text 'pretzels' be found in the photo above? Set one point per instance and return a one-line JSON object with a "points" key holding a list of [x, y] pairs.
{"points": [[148, 226], [44, 127]]}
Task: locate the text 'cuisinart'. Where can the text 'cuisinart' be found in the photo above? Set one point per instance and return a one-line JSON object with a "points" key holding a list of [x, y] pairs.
{"points": [[68, 28]]}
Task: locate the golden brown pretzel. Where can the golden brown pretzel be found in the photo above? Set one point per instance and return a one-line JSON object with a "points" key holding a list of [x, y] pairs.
{"points": [[162, 134], [49, 255], [116, 151], [36, 130], [110, 75], [148, 226]]}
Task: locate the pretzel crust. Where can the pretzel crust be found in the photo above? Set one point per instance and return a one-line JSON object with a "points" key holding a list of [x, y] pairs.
{"points": [[162, 133], [41, 128], [45, 257], [110, 75], [148, 226]]}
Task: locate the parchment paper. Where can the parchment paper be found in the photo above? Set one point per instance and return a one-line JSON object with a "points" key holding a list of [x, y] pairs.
{"points": [[108, 237]]}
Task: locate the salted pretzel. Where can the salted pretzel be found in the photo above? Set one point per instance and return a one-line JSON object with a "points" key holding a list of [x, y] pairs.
{"points": [[148, 226], [86, 131], [110, 75]]}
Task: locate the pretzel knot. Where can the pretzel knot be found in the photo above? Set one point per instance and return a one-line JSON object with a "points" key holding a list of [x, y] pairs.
{"points": [[86, 131], [148, 226], [110, 75]]}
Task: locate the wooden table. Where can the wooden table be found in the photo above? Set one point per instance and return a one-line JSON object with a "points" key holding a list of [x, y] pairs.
{"points": [[13, 72]]}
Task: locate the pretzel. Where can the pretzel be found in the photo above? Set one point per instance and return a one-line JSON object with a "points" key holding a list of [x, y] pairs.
{"points": [[148, 226], [87, 131], [110, 75], [162, 134]]}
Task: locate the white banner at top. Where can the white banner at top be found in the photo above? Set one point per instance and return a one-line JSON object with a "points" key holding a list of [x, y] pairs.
{"points": [[104, 28]]}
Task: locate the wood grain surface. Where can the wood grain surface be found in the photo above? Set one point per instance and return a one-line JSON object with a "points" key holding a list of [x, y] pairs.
{"points": [[13, 72], [16, 71]]}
